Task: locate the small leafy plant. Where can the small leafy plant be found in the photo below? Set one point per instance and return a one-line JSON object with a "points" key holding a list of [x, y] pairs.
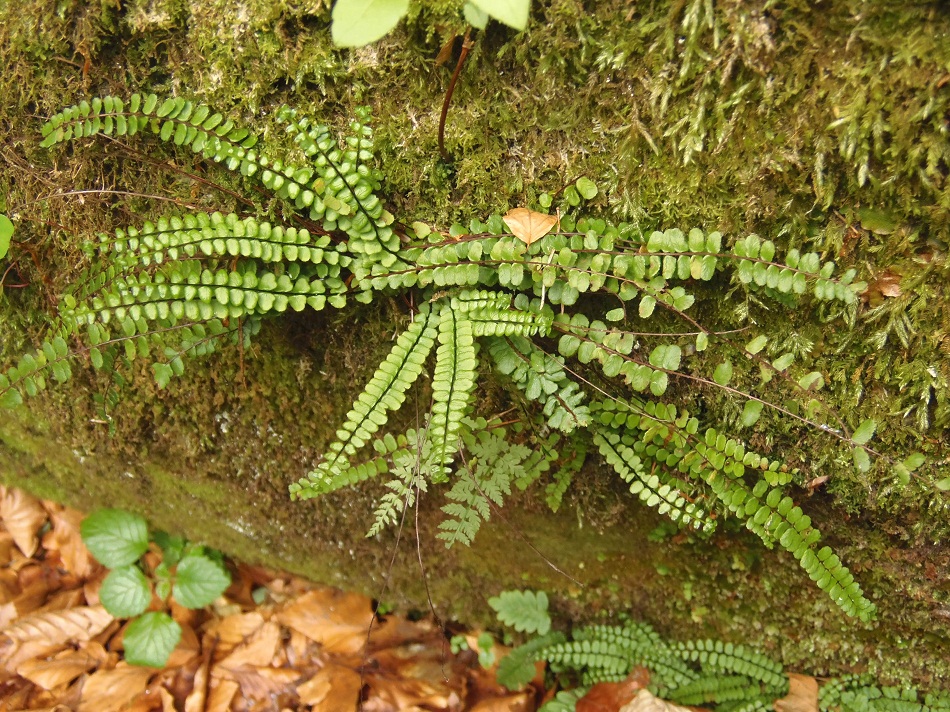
{"points": [[191, 575]]}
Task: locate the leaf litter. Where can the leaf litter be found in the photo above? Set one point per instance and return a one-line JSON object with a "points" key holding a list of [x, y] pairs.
{"points": [[272, 642]]}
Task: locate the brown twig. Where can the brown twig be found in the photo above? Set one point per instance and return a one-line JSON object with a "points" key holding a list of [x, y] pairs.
{"points": [[466, 46]]}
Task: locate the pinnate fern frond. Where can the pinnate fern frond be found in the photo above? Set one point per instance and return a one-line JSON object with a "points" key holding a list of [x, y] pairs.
{"points": [[385, 392]]}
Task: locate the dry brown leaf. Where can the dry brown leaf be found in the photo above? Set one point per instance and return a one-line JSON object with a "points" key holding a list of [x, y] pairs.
{"points": [[646, 702], [60, 627], [59, 670], [258, 651], [509, 703], [334, 688], [112, 690], [186, 651], [528, 225], [220, 695], [22, 516], [612, 696], [802, 695], [6, 548], [259, 683], [65, 539], [336, 620], [195, 701], [232, 630]]}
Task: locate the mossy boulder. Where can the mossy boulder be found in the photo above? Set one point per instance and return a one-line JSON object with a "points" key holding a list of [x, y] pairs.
{"points": [[821, 126]]}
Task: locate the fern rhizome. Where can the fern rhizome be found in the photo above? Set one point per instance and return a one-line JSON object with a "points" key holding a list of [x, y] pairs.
{"points": [[187, 283]]}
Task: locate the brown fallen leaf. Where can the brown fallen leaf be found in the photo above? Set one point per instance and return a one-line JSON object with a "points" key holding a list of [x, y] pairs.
{"points": [[112, 690], [802, 695], [646, 702], [59, 627], [612, 696], [61, 669], [220, 695], [257, 651], [528, 225], [64, 538], [334, 687], [336, 620], [258, 683], [22, 516], [231, 631]]}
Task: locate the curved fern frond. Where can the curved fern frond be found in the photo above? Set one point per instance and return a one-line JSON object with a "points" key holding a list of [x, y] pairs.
{"points": [[385, 392], [452, 384]]}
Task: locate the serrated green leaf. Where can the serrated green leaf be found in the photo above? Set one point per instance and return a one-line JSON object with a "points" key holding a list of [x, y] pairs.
{"points": [[475, 16], [913, 461], [358, 22], [614, 314], [513, 13], [864, 432], [163, 374], [943, 484], [199, 581], [125, 592], [150, 639], [115, 537]]}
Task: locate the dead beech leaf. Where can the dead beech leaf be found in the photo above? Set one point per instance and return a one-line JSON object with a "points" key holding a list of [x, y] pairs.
{"points": [[220, 695], [646, 702], [61, 627], [336, 620], [257, 651], [259, 683], [65, 538], [334, 687], [611, 696], [802, 695], [233, 630], [22, 516], [528, 225], [112, 690], [509, 703], [59, 670]]}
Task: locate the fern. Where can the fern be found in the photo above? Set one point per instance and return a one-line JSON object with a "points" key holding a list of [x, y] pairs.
{"points": [[185, 284]]}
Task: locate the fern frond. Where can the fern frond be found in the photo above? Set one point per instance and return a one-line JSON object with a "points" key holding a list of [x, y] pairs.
{"points": [[452, 384], [385, 392]]}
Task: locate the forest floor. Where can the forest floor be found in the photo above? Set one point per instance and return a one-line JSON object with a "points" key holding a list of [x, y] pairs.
{"points": [[273, 641]]}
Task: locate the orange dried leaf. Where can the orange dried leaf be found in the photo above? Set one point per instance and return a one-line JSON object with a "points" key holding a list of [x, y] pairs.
{"points": [[611, 696], [334, 687], [22, 516], [220, 696], [112, 690], [233, 630], [646, 702], [258, 650], [59, 670], [802, 695], [61, 627], [336, 620], [528, 225], [65, 538], [260, 683]]}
